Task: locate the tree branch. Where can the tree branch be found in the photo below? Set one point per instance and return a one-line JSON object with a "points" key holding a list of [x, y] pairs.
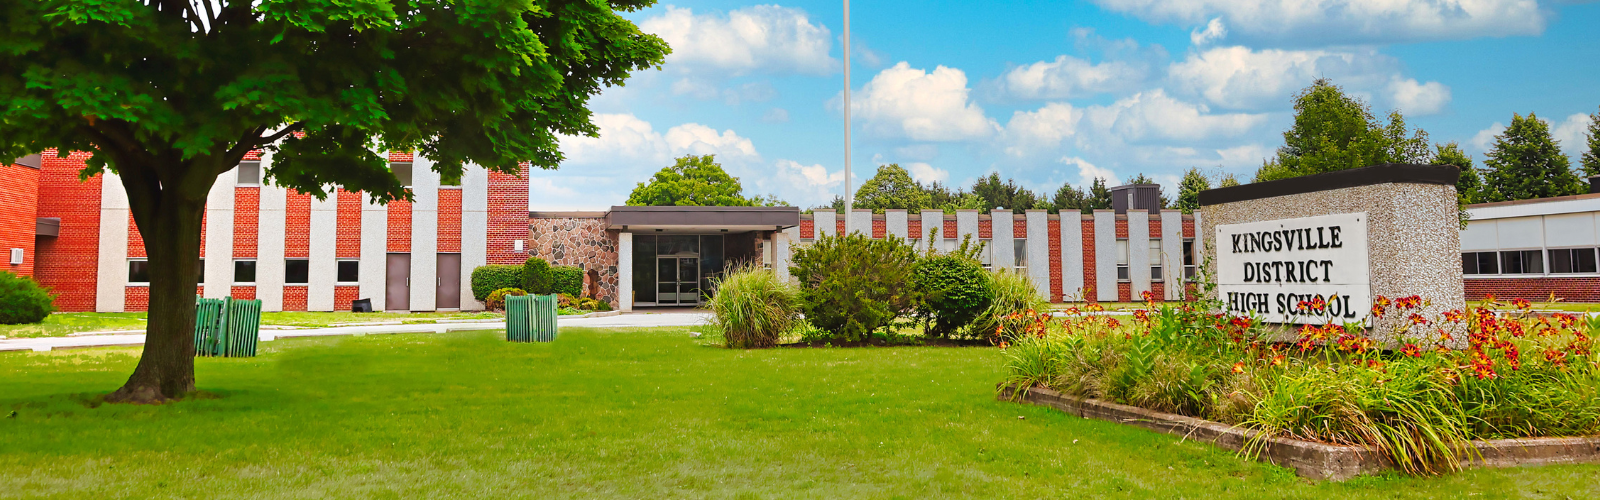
{"points": [[292, 128]]}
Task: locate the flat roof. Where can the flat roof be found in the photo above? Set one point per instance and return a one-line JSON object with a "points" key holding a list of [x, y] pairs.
{"points": [[1398, 173], [702, 218], [1577, 203]]}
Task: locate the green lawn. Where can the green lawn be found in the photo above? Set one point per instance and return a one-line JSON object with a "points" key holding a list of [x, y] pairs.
{"points": [[321, 319], [636, 414], [59, 325], [62, 324]]}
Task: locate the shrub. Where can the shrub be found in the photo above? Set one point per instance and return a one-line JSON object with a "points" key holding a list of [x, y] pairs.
{"points": [[954, 290], [1014, 294], [853, 285], [567, 280], [22, 301], [497, 299], [536, 277], [753, 307], [487, 279]]}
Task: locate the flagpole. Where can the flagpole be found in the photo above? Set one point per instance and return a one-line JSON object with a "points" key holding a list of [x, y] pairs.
{"points": [[849, 194]]}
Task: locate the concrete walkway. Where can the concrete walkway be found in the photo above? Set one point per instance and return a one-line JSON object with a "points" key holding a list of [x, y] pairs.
{"points": [[629, 320]]}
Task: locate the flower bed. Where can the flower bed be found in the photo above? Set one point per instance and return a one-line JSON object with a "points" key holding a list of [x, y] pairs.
{"points": [[1493, 372]]}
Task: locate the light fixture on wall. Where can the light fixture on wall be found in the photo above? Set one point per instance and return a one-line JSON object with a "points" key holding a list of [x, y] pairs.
{"points": [[516, 245]]}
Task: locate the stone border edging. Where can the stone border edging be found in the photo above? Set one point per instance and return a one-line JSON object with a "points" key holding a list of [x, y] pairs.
{"points": [[1311, 459]]}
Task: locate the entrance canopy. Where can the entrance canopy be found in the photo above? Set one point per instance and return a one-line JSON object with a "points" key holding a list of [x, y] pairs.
{"points": [[702, 219], [674, 255]]}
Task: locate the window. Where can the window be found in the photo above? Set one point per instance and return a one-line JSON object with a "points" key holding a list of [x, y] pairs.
{"points": [[1020, 246], [349, 271], [1122, 260], [1522, 262], [1480, 263], [244, 272], [1572, 260], [296, 271], [202, 279], [249, 173], [1188, 259], [402, 172], [138, 272], [1155, 259]]}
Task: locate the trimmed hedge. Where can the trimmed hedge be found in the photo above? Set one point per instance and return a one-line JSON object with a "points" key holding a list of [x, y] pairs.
{"points": [[567, 280], [536, 277], [487, 279], [954, 290], [22, 301]]}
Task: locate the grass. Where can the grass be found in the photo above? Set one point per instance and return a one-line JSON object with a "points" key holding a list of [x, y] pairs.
{"points": [[635, 413], [59, 325], [63, 324], [322, 319]]}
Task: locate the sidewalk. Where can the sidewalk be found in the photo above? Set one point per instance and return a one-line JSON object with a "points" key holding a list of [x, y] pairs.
{"points": [[629, 320]]}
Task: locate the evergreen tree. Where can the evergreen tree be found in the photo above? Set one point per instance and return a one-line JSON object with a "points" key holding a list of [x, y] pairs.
{"points": [[1189, 190], [1161, 195], [1068, 199], [940, 195], [892, 188], [1527, 163], [1099, 196], [1003, 194], [1591, 153], [1333, 131], [1469, 185], [1227, 180]]}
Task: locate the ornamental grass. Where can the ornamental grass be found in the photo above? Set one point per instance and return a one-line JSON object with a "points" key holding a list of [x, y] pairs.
{"points": [[1493, 371], [753, 307]]}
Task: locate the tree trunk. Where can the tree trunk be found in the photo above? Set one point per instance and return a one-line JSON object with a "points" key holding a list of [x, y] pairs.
{"points": [[170, 224]]}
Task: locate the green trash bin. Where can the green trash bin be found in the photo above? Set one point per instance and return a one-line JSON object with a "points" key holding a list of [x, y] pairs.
{"points": [[226, 327], [531, 318]]}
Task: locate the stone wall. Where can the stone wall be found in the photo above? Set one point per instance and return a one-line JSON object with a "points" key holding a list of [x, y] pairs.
{"points": [[583, 242]]}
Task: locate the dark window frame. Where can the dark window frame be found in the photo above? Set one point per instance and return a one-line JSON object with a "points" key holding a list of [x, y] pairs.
{"points": [[289, 272], [339, 269], [254, 271], [1572, 260]]}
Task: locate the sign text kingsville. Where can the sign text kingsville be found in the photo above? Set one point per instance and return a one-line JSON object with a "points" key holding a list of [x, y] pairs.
{"points": [[1268, 268]]}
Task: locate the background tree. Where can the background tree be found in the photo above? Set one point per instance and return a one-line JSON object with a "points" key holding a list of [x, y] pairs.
{"points": [[1189, 190], [1008, 194], [892, 188], [691, 181], [169, 94], [1068, 199], [1161, 195], [1099, 195], [1227, 180], [1333, 131], [1591, 151], [1527, 163], [1469, 185]]}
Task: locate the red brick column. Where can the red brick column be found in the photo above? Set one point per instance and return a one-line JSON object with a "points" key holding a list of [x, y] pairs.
{"points": [[1054, 233], [347, 224], [1089, 282], [508, 217], [449, 220], [69, 264]]}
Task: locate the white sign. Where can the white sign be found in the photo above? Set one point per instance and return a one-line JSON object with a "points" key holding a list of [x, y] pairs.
{"points": [[1268, 268]]}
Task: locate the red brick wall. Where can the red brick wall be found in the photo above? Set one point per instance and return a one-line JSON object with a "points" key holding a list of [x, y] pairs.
{"points": [[242, 292], [400, 226], [294, 298], [401, 157], [1088, 292], [347, 224], [1054, 233], [808, 228], [1124, 291], [343, 296], [135, 239], [1188, 226], [948, 225], [508, 217], [449, 220], [1578, 289], [1019, 227], [880, 228], [297, 226], [136, 299], [69, 264], [985, 229], [838, 225], [1122, 229], [1155, 227], [1159, 290], [19, 209], [246, 219], [914, 229]]}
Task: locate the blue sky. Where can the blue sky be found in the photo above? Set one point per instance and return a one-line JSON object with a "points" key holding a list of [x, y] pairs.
{"points": [[1062, 92]]}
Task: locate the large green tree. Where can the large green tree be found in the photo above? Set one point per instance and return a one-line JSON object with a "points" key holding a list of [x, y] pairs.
{"points": [[693, 180], [169, 94], [1591, 151], [1008, 195], [1469, 185], [1099, 195], [1068, 198], [892, 188], [1333, 131], [1526, 163], [1189, 189]]}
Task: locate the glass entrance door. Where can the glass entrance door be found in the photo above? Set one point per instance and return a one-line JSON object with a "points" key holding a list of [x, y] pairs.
{"points": [[678, 280]]}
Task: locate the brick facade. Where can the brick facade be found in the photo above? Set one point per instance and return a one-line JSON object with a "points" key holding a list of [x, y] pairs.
{"points": [[1054, 233], [1088, 292], [449, 220], [19, 211], [580, 242], [68, 264], [296, 228], [347, 220], [246, 222], [1570, 289], [508, 217]]}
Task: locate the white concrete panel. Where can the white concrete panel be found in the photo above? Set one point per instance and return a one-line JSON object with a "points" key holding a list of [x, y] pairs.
{"points": [[474, 230], [270, 228], [1524, 232], [931, 220], [860, 222], [111, 277], [1139, 257], [1072, 256], [1002, 229], [1480, 235], [784, 251], [1039, 251], [424, 235], [1569, 230], [219, 236], [1105, 259], [1172, 253], [825, 223], [375, 253], [897, 223], [323, 265], [1563, 206], [625, 271], [967, 224]]}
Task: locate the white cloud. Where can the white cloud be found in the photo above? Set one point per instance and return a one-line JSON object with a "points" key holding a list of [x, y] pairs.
{"points": [[1069, 77], [922, 106], [761, 38], [1087, 172], [1346, 21], [1240, 78], [1484, 139], [1153, 115], [1043, 128], [623, 138], [1213, 31], [1419, 99], [926, 173], [776, 115], [1573, 134], [1249, 155], [697, 139], [800, 184]]}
